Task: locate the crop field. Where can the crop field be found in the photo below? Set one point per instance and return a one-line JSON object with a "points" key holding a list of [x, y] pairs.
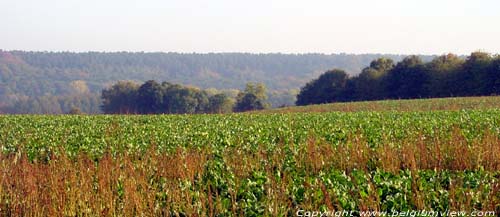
{"points": [[457, 103], [250, 164]]}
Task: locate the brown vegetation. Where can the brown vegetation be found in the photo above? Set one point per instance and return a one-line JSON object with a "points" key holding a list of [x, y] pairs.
{"points": [[159, 184]]}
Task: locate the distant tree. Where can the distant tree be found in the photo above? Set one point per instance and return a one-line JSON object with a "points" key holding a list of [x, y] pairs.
{"points": [[253, 98], [382, 64], [202, 100], [212, 91], [329, 87], [150, 97], [473, 78], [443, 70], [367, 85], [258, 89], [219, 103], [407, 79], [186, 100], [248, 102], [120, 98], [494, 76], [183, 100]]}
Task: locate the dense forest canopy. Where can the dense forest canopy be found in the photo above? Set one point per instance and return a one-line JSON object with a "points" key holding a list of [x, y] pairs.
{"points": [[55, 82], [445, 76]]}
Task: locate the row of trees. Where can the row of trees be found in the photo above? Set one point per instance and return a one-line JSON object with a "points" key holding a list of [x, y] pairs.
{"points": [[166, 98], [444, 76]]}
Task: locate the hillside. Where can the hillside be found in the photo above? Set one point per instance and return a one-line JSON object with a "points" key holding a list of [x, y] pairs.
{"points": [[25, 75]]}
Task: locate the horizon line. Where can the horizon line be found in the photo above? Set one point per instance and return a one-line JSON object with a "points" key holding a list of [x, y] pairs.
{"points": [[242, 52]]}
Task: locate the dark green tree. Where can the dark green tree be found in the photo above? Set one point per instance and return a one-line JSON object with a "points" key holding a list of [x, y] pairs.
{"points": [[150, 97], [329, 87], [443, 70], [183, 100], [494, 76], [253, 98], [187, 100], [219, 103], [473, 80], [120, 98], [248, 102], [367, 85], [407, 79]]}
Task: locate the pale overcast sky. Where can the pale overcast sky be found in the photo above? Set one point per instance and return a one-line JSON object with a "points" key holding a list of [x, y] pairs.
{"points": [[257, 26]]}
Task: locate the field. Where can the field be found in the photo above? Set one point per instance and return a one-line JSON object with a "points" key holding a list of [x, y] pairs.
{"points": [[436, 155], [457, 103]]}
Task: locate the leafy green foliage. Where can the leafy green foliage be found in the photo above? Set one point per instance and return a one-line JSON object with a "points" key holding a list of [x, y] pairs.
{"points": [[444, 76], [253, 98], [153, 98], [220, 103], [264, 164], [96, 134], [329, 87], [120, 98]]}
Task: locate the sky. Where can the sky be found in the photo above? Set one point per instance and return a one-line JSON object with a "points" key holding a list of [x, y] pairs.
{"points": [[255, 26]]}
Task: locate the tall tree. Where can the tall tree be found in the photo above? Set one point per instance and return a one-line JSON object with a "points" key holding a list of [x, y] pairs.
{"points": [[443, 70], [407, 79], [253, 98], [120, 98], [367, 85], [329, 87], [494, 76], [150, 97], [473, 78], [184, 100], [219, 103]]}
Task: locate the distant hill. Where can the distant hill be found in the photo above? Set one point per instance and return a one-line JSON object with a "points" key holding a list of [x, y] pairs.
{"points": [[36, 74]]}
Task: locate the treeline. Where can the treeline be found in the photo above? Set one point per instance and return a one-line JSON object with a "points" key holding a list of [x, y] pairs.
{"points": [[31, 77], [127, 97], [444, 76]]}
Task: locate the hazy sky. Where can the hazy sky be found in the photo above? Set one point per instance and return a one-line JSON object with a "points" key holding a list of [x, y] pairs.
{"points": [[287, 26]]}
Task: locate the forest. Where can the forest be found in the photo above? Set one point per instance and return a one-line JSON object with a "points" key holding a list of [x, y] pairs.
{"points": [[56, 82]]}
